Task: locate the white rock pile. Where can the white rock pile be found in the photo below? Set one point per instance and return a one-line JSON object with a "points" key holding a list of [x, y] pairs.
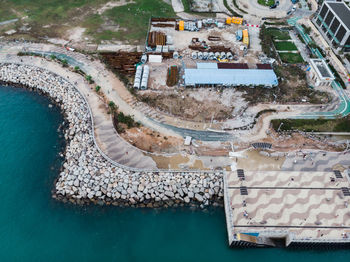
{"points": [[87, 176]]}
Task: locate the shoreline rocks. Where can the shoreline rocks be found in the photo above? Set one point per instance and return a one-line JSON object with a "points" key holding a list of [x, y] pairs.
{"points": [[88, 177]]}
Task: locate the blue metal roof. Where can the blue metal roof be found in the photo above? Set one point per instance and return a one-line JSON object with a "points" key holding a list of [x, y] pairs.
{"points": [[230, 77]]}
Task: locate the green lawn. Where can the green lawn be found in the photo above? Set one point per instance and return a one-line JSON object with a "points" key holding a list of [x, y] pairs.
{"points": [[46, 11], [291, 58], [278, 34], [285, 46], [266, 2], [187, 5], [317, 125], [133, 18]]}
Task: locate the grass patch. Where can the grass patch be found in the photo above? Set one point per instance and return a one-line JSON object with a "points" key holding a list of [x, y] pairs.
{"points": [[291, 58], [134, 18], [278, 34], [6, 14], [266, 2], [316, 125], [187, 5], [46, 11], [288, 46], [92, 23]]}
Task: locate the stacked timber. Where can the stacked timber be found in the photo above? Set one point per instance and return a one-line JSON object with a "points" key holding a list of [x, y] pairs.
{"points": [[172, 76], [123, 62], [156, 38]]}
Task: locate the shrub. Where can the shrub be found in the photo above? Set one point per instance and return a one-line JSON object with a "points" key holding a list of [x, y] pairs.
{"points": [[89, 79], [112, 106], [64, 62]]}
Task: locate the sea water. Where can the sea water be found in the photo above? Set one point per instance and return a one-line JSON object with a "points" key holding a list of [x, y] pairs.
{"points": [[35, 227]]}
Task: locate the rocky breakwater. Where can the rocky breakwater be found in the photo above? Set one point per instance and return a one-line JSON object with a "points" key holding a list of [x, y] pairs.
{"points": [[87, 176]]}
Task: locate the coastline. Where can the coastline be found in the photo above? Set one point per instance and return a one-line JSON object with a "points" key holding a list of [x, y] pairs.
{"points": [[88, 176]]}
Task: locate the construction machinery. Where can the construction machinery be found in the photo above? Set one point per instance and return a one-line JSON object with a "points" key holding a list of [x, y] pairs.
{"points": [[237, 20]]}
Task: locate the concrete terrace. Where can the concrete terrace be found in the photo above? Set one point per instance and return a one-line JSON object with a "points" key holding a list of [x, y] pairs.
{"points": [[293, 206]]}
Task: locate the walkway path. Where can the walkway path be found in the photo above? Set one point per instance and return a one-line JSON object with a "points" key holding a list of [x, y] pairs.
{"points": [[116, 91], [177, 6]]}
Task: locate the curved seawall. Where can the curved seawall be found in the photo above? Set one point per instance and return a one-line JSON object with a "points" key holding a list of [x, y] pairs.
{"points": [[88, 175]]}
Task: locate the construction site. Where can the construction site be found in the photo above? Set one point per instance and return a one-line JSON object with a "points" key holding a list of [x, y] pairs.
{"points": [[208, 75], [180, 53]]}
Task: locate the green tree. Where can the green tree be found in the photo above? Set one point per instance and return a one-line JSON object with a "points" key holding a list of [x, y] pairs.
{"points": [[89, 79], [112, 106], [97, 89], [64, 62]]}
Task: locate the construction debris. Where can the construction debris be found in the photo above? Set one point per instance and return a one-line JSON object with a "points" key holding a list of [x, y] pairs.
{"points": [[214, 38]]}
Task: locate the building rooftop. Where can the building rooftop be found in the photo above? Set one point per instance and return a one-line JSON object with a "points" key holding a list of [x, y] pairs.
{"points": [[209, 75], [306, 205], [341, 10], [322, 69]]}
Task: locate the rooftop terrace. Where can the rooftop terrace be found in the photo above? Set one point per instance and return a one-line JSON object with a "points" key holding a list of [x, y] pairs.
{"points": [[302, 206]]}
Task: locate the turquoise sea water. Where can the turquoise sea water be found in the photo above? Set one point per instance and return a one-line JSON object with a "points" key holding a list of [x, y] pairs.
{"points": [[35, 227]]}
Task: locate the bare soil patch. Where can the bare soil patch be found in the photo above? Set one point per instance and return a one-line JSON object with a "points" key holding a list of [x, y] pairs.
{"points": [[151, 141], [184, 106]]}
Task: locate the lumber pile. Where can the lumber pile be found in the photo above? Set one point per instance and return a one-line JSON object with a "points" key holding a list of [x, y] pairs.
{"points": [[156, 38], [123, 62], [172, 76]]}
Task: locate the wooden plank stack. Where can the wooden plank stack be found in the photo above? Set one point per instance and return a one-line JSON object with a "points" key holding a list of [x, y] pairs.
{"points": [[156, 38], [123, 62], [172, 76]]}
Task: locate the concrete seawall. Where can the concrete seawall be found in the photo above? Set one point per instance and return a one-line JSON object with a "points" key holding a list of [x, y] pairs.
{"points": [[88, 175]]}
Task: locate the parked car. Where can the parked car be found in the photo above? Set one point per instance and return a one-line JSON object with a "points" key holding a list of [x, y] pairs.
{"points": [[273, 6]]}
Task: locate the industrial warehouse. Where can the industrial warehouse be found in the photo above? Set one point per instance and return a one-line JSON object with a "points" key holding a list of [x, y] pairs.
{"points": [[229, 74]]}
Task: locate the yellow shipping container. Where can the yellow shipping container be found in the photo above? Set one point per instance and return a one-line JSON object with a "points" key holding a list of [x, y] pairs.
{"points": [[245, 33], [245, 37], [181, 25], [246, 40], [228, 20], [237, 20]]}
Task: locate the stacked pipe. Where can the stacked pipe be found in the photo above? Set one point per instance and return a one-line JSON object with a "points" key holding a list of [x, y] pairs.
{"points": [[137, 80], [229, 55], [145, 75]]}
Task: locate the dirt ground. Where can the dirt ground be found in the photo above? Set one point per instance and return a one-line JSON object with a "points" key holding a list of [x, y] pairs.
{"points": [[151, 141], [185, 105], [292, 88]]}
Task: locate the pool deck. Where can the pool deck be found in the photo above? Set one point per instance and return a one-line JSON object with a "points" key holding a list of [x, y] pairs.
{"points": [[288, 208]]}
